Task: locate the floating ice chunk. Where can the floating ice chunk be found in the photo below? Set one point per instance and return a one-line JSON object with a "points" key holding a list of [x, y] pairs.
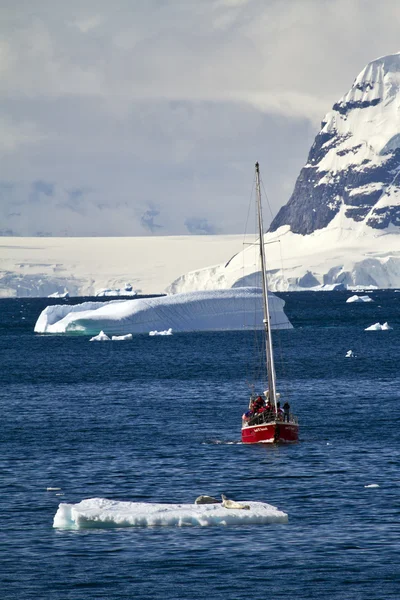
{"points": [[127, 290], [211, 310], [166, 332], [379, 327], [120, 338], [103, 513], [350, 354], [101, 337], [359, 299], [64, 294], [53, 489], [372, 485]]}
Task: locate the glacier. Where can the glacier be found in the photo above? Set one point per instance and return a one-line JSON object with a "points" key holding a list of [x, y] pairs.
{"points": [[103, 513], [229, 309]]}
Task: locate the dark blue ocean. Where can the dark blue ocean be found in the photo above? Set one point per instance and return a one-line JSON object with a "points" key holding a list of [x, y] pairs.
{"points": [[158, 420]]}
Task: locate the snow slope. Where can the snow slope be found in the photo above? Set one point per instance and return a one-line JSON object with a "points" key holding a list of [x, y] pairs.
{"points": [[333, 255], [239, 308], [43, 266]]}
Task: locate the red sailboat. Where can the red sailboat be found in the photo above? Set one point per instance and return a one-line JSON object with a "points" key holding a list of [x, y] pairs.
{"points": [[265, 421]]}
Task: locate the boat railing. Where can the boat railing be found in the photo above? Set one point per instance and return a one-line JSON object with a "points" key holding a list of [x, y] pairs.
{"points": [[268, 417]]}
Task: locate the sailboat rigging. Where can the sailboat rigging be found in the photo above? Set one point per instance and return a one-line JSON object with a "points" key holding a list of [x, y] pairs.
{"points": [[265, 421]]}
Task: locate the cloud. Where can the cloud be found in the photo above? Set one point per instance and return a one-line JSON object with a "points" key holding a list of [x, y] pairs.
{"points": [[170, 101], [198, 226], [39, 189], [147, 220]]}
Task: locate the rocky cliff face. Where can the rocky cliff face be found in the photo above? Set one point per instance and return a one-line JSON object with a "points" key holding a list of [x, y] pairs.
{"points": [[354, 162]]}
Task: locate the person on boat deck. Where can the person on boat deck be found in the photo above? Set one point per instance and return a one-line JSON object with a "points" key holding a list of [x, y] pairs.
{"points": [[286, 411], [259, 404], [279, 411], [247, 415]]}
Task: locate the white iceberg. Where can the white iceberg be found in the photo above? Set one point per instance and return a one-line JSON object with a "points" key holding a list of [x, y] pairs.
{"points": [[359, 299], [101, 337], [350, 354], [213, 310], [121, 338], [127, 290], [379, 327], [103, 513], [64, 294], [166, 332]]}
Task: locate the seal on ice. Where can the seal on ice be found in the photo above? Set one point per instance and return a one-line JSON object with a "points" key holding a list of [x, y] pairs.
{"points": [[232, 504], [206, 500]]}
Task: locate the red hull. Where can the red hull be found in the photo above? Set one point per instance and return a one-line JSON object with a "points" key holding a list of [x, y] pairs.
{"points": [[271, 433]]}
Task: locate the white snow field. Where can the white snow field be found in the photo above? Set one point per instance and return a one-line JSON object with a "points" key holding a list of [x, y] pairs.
{"points": [[238, 308], [85, 266], [103, 513], [338, 254], [341, 253]]}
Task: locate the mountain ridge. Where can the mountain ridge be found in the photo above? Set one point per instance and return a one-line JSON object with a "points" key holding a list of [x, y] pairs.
{"points": [[355, 158]]}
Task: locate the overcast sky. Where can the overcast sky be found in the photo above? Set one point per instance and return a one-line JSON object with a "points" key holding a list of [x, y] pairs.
{"points": [[145, 117]]}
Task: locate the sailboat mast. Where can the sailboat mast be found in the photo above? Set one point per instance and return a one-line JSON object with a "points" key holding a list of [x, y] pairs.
{"points": [[267, 318]]}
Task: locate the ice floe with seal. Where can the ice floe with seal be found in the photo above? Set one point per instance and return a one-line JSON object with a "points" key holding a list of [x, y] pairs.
{"points": [[166, 332], [101, 513], [209, 310], [379, 327], [359, 299]]}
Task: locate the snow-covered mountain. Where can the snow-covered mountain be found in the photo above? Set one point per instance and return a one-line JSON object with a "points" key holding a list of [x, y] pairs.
{"points": [[355, 158], [342, 222]]}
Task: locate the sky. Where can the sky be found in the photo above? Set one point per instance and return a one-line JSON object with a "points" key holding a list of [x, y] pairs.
{"points": [[145, 117]]}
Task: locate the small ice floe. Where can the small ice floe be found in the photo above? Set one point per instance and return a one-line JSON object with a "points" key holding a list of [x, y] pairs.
{"points": [[359, 299], [120, 338], [166, 332], [53, 489], [372, 485], [379, 327], [103, 513], [102, 337], [350, 354]]}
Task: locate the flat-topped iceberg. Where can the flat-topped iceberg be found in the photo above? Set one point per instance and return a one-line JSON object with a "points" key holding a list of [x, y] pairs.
{"points": [[102, 513], [127, 290], [211, 310], [166, 332], [122, 338]]}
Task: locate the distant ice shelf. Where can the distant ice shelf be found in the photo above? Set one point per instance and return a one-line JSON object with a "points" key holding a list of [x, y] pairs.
{"points": [[102, 513], [218, 310]]}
